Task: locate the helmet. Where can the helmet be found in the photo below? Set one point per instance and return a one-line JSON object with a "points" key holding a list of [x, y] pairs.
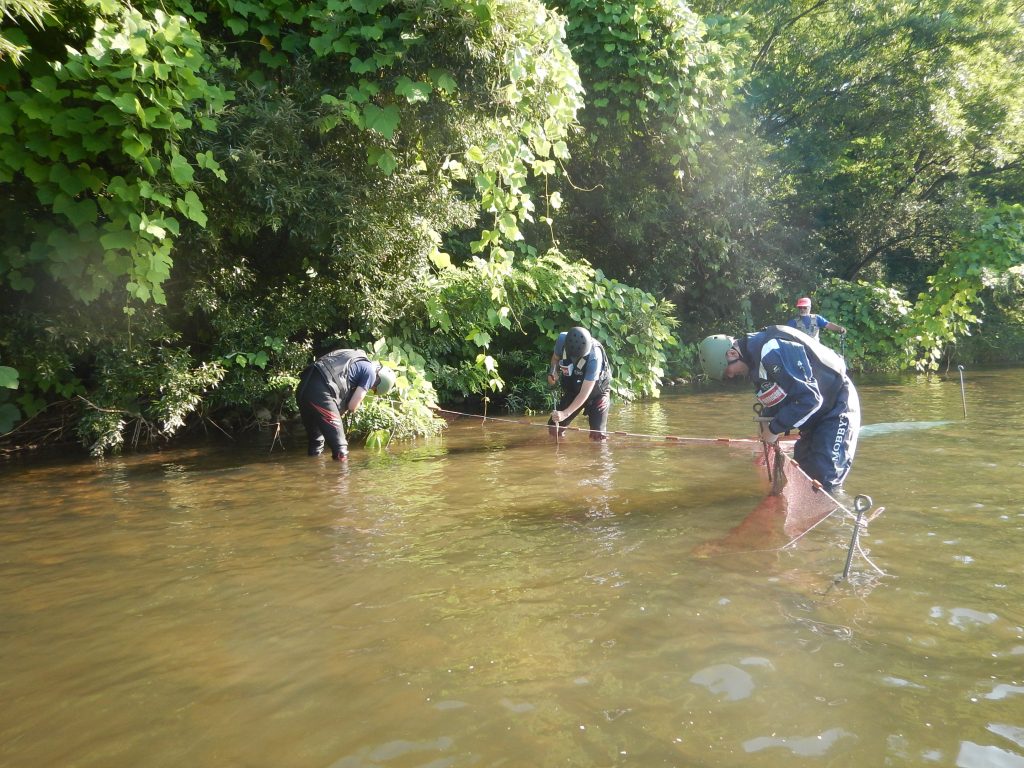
{"points": [[385, 380], [578, 343], [712, 355], [804, 302]]}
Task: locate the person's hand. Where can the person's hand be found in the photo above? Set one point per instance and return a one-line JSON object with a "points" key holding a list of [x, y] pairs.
{"points": [[557, 416], [767, 436], [842, 330], [552, 380]]}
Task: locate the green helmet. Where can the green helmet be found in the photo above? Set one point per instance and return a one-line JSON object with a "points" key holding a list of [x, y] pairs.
{"points": [[712, 355], [385, 380]]}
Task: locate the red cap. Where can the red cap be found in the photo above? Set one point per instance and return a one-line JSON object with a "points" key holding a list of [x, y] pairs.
{"points": [[804, 302]]}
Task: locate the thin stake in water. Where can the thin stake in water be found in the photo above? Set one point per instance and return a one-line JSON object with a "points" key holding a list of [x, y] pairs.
{"points": [[963, 394]]}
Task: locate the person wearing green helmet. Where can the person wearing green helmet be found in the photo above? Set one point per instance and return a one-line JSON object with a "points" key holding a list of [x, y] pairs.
{"points": [[580, 363], [336, 382], [800, 384]]}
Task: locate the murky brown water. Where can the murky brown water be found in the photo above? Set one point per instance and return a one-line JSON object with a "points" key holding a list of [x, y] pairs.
{"points": [[491, 599]]}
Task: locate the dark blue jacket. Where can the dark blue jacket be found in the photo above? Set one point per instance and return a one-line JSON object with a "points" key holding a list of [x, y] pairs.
{"points": [[799, 380]]}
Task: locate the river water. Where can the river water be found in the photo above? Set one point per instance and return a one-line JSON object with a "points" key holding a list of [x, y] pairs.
{"points": [[492, 598]]}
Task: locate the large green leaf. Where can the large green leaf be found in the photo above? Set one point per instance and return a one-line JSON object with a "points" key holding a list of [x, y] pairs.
{"points": [[8, 377], [383, 121]]}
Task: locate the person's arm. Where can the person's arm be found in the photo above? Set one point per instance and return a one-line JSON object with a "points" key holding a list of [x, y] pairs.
{"points": [[363, 378], [585, 389], [356, 399], [830, 326], [553, 370], [556, 355], [797, 394], [593, 371]]}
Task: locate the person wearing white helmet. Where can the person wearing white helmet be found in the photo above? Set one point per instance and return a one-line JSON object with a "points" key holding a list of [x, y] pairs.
{"points": [[581, 364], [336, 382], [801, 384], [809, 323]]}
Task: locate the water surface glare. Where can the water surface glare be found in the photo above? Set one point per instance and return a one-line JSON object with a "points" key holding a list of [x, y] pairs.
{"points": [[490, 598]]}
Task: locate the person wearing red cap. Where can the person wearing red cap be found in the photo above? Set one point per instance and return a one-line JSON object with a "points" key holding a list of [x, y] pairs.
{"points": [[811, 324]]}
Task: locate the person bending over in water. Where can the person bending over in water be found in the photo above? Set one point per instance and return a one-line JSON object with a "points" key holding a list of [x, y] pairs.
{"points": [[581, 364], [801, 384], [335, 382]]}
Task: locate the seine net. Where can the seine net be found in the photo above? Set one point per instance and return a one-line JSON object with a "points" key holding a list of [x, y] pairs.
{"points": [[793, 506], [807, 503]]}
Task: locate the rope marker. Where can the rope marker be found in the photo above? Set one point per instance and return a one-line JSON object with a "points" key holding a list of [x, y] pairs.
{"points": [[618, 433]]}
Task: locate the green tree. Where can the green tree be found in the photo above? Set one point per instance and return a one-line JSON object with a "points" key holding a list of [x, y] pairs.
{"points": [[644, 194], [948, 310], [892, 121], [364, 145], [91, 124]]}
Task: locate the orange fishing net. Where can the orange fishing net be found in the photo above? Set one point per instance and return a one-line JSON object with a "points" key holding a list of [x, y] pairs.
{"points": [[807, 503], [793, 506]]}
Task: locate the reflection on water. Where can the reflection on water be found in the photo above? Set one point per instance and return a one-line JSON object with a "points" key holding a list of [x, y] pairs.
{"points": [[885, 428], [818, 745], [491, 597]]}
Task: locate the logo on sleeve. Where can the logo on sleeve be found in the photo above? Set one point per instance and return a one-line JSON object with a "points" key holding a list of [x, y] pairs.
{"points": [[770, 393]]}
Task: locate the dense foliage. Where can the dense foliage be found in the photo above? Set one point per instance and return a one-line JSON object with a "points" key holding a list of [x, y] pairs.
{"points": [[199, 198], [889, 128]]}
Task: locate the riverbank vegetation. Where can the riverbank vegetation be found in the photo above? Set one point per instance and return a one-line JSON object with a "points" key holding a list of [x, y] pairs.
{"points": [[198, 198]]}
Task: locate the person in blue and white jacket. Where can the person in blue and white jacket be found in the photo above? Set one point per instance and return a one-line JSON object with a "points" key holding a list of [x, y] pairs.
{"points": [[801, 384]]}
